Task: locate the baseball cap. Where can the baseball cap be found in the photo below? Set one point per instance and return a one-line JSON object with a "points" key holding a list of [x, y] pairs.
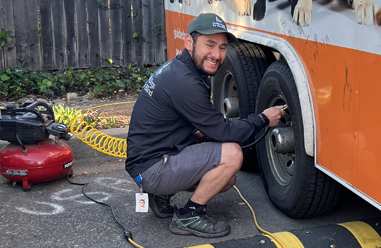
{"points": [[210, 23]]}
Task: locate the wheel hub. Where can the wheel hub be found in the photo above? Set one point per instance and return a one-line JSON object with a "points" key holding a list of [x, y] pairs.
{"points": [[231, 107], [283, 140]]}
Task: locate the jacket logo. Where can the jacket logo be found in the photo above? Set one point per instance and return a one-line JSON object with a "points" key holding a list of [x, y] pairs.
{"points": [[149, 86]]}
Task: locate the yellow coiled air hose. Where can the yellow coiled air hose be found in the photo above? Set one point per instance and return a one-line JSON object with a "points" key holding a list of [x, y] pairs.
{"points": [[102, 142]]}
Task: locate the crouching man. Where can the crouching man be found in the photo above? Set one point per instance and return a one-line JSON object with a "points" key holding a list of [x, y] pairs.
{"points": [[172, 112]]}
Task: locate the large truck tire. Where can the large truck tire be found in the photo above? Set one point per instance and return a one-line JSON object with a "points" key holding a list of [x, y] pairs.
{"points": [[289, 176], [238, 79]]}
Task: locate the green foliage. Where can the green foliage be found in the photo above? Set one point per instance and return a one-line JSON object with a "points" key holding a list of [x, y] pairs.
{"points": [[93, 118], [101, 3], [65, 115], [110, 122], [100, 121], [39, 30], [135, 35], [4, 37], [158, 29], [18, 82]]}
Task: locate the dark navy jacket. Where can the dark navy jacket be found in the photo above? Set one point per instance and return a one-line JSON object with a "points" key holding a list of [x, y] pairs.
{"points": [[174, 102]]}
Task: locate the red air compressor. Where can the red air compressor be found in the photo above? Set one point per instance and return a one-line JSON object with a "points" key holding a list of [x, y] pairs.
{"points": [[32, 155]]}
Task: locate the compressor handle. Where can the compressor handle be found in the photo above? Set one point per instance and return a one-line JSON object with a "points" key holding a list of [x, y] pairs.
{"points": [[27, 110], [48, 112]]}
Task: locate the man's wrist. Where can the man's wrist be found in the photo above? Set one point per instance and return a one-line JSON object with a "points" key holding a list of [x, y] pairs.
{"points": [[265, 120]]}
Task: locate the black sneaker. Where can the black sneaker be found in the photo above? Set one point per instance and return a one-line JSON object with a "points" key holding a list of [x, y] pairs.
{"points": [[199, 225], [160, 205]]}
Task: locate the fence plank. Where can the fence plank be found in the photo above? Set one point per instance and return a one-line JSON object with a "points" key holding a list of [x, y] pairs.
{"points": [[2, 59], [127, 31], [116, 30], [32, 23], [46, 35], [92, 13], [159, 40], [69, 34], [82, 35], [60, 59], [21, 33], [9, 50], [138, 30], [105, 37], [147, 57]]}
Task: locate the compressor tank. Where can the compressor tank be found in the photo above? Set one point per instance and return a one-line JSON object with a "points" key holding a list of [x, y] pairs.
{"points": [[42, 162]]}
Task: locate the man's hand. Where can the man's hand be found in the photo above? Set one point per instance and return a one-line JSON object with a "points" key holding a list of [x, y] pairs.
{"points": [[200, 136], [274, 114]]}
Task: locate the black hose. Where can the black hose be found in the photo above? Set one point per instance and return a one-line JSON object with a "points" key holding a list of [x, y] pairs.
{"points": [[21, 144], [127, 233], [256, 141]]}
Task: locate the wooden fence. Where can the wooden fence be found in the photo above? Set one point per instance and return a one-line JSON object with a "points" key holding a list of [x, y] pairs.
{"points": [[59, 34]]}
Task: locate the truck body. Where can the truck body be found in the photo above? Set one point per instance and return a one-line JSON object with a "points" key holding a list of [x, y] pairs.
{"points": [[323, 60]]}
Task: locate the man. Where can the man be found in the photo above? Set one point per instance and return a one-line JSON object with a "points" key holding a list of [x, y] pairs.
{"points": [[142, 203], [172, 111]]}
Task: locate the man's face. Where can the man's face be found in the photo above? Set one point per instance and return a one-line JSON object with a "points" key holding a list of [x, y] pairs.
{"points": [[209, 52]]}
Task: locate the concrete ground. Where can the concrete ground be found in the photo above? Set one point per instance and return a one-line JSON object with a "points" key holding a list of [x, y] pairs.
{"points": [[57, 214]]}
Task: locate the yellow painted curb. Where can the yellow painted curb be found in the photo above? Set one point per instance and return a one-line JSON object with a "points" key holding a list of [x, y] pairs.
{"points": [[286, 240], [364, 233], [202, 246]]}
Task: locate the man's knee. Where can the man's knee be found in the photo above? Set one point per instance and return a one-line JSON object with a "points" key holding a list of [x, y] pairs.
{"points": [[230, 184], [232, 154]]}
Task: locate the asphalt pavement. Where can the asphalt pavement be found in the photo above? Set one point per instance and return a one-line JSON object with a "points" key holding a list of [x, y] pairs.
{"points": [[57, 214]]}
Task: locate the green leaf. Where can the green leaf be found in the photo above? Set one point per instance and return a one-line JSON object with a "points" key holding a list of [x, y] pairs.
{"points": [[135, 76], [4, 77], [120, 84], [47, 83], [127, 82], [82, 76]]}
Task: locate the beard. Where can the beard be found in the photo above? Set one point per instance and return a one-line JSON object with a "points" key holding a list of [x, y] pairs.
{"points": [[199, 62]]}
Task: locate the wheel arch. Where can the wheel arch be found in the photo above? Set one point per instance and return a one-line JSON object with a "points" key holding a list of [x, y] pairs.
{"points": [[298, 69]]}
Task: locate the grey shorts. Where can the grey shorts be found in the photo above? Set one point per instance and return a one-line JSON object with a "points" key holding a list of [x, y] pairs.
{"points": [[180, 172]]}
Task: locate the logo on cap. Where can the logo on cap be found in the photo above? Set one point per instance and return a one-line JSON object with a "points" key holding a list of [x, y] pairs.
{"points": [[219, 24]]}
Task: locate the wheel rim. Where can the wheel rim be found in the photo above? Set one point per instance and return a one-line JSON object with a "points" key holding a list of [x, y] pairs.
{"points": [[282, 164], [229, 90]]}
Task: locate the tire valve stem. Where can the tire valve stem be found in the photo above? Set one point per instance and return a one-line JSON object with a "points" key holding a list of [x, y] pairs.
{"points": [[284, 107]]}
